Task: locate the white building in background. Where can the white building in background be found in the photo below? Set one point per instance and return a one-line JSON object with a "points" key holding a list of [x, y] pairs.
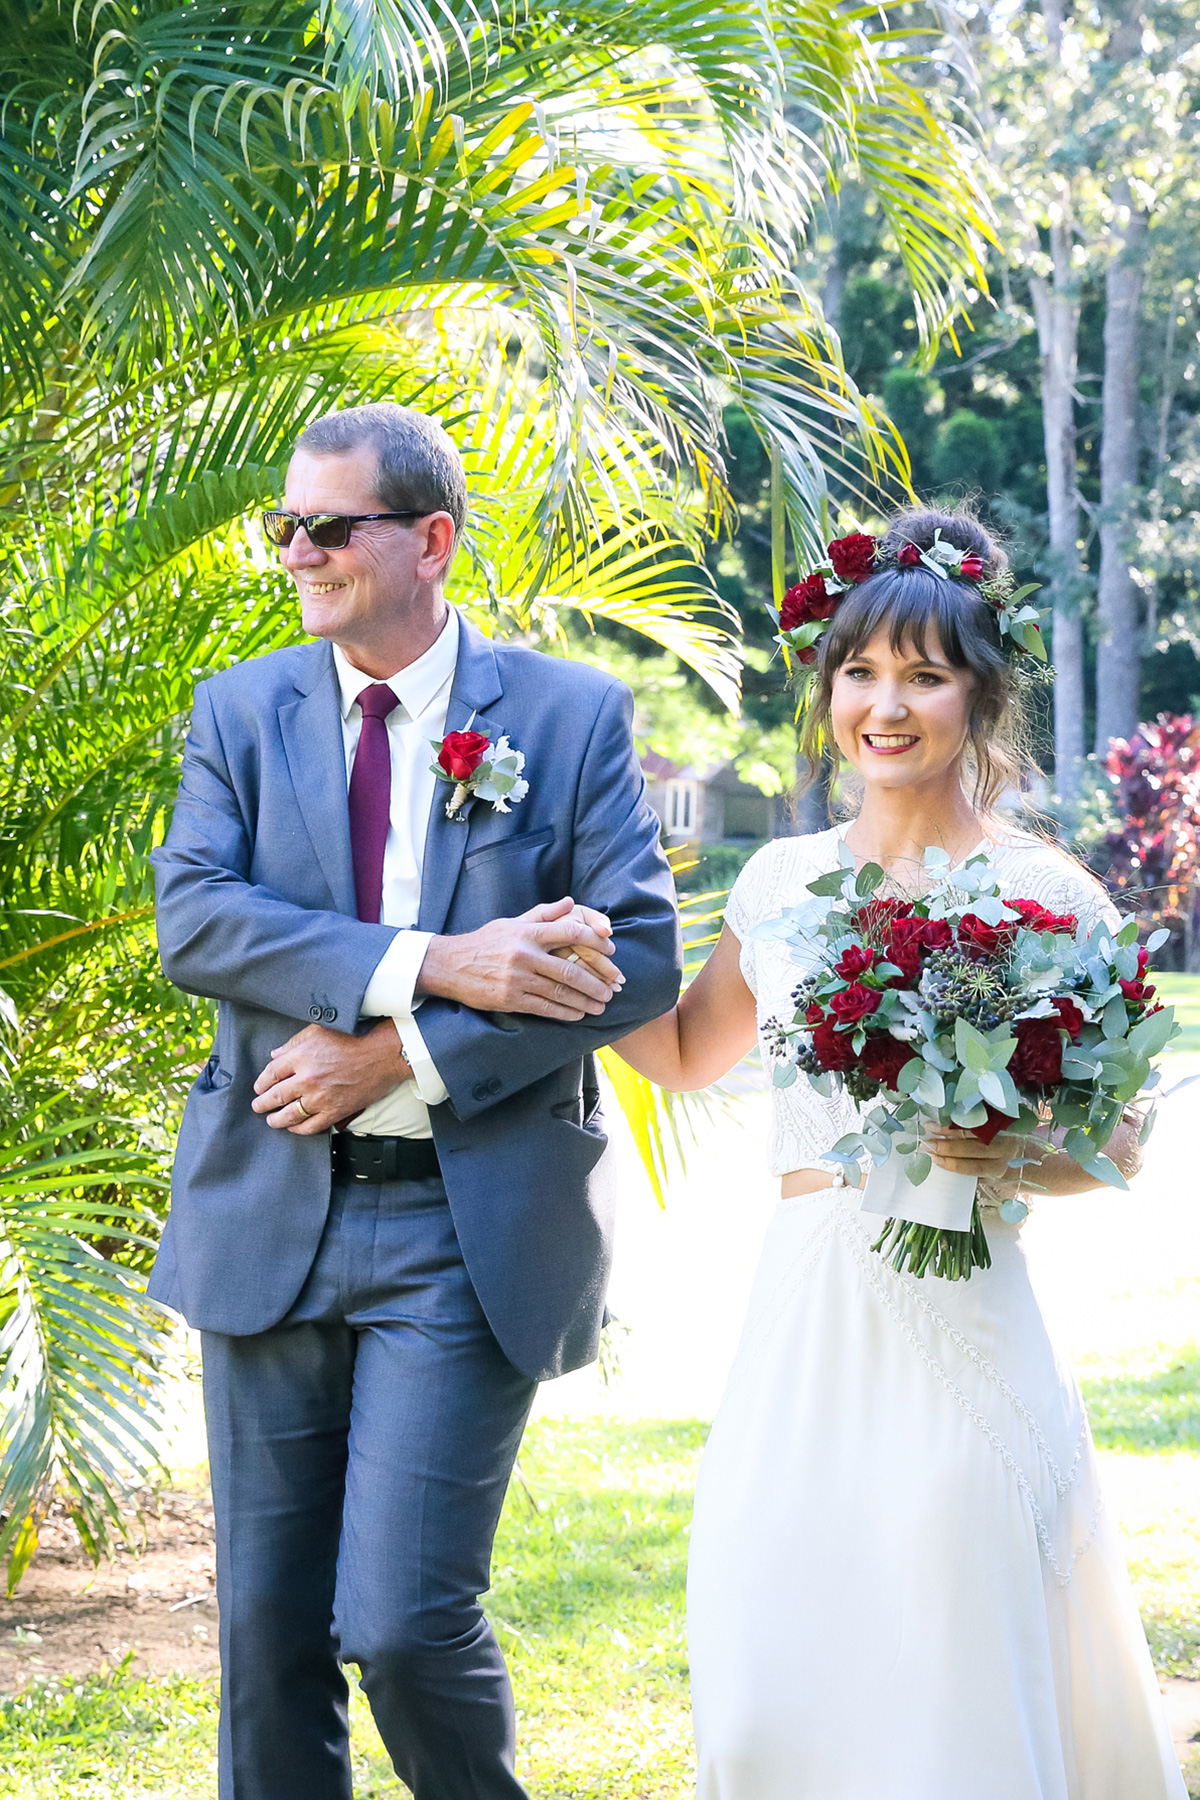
{"points": [[712, 804]]}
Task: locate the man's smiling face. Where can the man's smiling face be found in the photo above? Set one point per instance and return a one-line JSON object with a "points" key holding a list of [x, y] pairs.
{"points": [[375, 578]]}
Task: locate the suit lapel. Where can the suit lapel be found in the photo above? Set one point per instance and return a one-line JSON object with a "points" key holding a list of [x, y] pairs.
{"points": [[476, 688], [311, 728]]}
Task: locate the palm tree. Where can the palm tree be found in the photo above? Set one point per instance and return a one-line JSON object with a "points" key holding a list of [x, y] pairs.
{"points": [[568, 230]]}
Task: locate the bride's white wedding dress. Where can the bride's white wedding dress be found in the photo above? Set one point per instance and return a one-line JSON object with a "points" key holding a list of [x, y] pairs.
{"points": [[904, 1584]]}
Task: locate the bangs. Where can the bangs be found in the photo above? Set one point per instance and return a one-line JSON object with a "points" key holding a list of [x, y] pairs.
{"points": [[909, 604]]}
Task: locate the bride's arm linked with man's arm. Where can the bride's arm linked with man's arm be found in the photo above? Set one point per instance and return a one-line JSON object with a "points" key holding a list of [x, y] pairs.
{"points": [[501, 1005]]}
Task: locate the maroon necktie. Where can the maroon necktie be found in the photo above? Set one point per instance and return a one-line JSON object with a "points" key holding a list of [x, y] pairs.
{"points": [[370, 799]]}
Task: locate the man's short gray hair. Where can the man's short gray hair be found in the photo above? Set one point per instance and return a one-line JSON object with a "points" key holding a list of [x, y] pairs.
{"points": [[420, 469]]}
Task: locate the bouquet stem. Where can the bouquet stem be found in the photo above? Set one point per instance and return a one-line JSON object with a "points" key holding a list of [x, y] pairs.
{"points": [[924, 1249]]}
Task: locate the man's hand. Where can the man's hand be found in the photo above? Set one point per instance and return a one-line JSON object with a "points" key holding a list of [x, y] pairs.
{"points": [[524, 965], [320, 1077]]}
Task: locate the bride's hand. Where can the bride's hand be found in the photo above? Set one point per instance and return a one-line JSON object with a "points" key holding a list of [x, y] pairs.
{"points": [[602, 926], [964, 1154]]}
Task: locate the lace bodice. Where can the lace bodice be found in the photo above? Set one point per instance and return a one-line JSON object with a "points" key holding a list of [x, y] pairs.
{"points": [[803, 1123]]}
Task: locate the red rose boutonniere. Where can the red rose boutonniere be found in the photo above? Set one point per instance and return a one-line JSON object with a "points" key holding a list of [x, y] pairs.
{"points": [[477, 769]]}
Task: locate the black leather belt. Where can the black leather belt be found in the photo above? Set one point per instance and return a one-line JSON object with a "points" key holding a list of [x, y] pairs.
{"points": [[383, 1158]]}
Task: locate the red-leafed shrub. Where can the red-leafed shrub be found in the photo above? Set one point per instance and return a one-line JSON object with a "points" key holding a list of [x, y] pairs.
{"points": [[1154, 854]]}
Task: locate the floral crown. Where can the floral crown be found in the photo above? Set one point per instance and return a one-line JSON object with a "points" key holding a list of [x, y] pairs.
{"points": [[808, 607]]}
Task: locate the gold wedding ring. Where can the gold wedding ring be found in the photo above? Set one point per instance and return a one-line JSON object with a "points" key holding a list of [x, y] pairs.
{"points": [[304, 1112], [574, 957]]}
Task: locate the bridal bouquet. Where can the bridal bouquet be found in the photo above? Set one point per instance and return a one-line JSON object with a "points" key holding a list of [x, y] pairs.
{"points": [[965, 1008]]}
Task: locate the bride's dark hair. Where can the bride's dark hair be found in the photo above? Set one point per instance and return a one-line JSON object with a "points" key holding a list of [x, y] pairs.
{"points": [[908, 602]]}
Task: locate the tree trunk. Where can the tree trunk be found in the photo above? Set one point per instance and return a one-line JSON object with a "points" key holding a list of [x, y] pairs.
{"points": [[1118, 658], [1056, 309]]}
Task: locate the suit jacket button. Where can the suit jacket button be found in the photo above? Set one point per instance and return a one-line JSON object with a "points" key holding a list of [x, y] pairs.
{"points": [[494, 1085], [314, 1012], [329, 1015], [481, 1090]]}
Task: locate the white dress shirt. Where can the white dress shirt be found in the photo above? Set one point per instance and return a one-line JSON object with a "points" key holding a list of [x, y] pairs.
{"points": [[423, 690]]}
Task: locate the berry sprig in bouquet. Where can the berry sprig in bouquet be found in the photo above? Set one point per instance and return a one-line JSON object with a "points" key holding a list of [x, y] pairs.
{"points": [[968, 1008]]}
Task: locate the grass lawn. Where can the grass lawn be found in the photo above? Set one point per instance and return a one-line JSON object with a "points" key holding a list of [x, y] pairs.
{"points": [[1183, 993], [588, 1602]]}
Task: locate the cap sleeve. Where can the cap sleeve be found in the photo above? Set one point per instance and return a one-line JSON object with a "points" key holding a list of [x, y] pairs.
{"points": [[747, 897]]}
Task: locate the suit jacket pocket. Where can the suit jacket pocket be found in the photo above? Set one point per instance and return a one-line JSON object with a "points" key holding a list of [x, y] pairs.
{"points": [[212, 1076], [508, 846]]}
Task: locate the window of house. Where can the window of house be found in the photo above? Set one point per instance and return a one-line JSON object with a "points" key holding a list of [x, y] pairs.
{"points": [[683, 807]]}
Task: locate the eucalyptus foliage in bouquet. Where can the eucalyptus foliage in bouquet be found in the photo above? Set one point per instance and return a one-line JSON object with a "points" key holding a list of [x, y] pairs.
{"points": [[967, 1008]]}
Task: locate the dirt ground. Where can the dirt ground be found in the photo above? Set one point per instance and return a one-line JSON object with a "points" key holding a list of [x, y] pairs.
{"points": [[157, 1599]]}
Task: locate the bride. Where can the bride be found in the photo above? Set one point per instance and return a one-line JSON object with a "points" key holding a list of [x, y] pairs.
{"points": [[904, 1584]]}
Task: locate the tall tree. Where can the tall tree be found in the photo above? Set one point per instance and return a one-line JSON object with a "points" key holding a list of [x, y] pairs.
{"points": [[1118, 600]]}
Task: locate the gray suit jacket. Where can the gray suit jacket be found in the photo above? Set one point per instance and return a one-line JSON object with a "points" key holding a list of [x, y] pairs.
{"points": [[256, 909]]}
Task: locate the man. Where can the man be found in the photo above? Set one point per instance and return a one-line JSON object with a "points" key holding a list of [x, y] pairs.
{"points": [[389, 1213]]}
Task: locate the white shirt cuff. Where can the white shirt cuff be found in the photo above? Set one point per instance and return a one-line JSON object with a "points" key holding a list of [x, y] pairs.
{"points": [[389, 995]]}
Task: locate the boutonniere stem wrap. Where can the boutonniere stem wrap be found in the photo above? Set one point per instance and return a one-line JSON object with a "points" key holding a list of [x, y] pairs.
{"points": [[475, 768]]}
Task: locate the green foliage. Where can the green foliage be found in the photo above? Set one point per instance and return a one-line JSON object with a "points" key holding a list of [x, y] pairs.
{"points": [[1148, 1412], [912, 399], [968, 454]]}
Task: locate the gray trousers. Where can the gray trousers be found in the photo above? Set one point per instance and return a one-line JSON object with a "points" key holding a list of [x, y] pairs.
{"points": [[360, 1451]]}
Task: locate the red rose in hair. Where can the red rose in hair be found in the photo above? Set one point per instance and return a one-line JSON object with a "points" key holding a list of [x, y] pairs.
{"points": [[833, 1048], [853, 557], [1069, 1017], [992, 1125], [908, 556], [853, 1003], [808, 600], [971, 567], [1037, 1059], [978, 939], [461, 753], [807, 655], [855, 962], [883, 1057]]}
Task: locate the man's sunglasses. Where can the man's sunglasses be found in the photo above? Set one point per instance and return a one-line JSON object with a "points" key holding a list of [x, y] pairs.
{"points": [[328, 531]]}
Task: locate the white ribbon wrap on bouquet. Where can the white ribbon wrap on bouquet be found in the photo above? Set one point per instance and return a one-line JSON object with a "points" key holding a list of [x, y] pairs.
{"points": [[943, 1199]]}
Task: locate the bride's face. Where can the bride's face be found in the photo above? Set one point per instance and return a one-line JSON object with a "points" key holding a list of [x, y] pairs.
{"points": [[900, 717]]}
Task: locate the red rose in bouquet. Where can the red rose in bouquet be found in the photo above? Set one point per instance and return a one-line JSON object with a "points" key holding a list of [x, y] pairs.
{"points": [[992, 1126], [978, 939], [461, 753], [905, 955], [833, 1049], [855, 962], [1070, 1017], [876, 917], [1036, 917], [853, 557], [1037, 1060], [883, 1056], [854, 1003]]}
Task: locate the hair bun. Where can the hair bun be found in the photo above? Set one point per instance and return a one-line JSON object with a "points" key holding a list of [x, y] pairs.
{"points": [[921, 525]]}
